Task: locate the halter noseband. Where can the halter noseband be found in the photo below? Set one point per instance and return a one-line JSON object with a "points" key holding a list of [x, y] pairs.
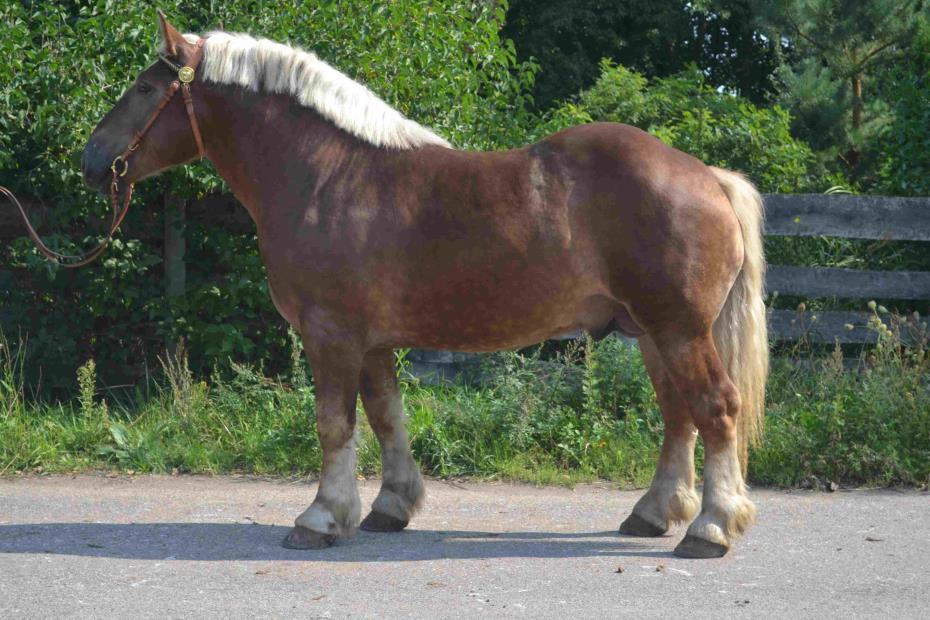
{"points": [[120, 165]]}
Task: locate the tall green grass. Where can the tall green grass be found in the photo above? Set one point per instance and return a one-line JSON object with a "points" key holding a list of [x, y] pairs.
{"points": [[865, 422], [585, 413], [589, 413]]}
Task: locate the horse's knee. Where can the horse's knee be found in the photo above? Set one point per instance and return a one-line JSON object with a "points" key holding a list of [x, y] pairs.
{"points": [[377, 386], [381, 394], [335, 429]]}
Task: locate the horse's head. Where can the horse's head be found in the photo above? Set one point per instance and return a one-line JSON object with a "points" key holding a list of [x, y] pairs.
{"points": [[168, 142]]}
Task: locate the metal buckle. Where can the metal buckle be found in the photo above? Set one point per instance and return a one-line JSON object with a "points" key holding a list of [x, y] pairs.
{"points": [[113, 166], [186, 75]]}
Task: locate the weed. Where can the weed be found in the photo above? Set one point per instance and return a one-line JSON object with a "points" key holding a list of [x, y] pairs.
{"points": [[11, 379], [864, 423], [87, 390]]}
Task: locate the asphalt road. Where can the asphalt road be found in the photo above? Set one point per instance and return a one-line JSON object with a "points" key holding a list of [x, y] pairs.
{"points": [[162, 546]]}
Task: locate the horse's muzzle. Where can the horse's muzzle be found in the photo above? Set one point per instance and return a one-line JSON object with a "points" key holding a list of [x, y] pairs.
{"points": [[95, 167]]}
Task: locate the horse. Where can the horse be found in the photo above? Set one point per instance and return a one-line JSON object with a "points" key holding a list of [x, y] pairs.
{"points": [[377, 234]]}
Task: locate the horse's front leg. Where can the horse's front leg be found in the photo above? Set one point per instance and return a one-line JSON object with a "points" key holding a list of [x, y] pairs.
{"points": [[336, 510], [401, 486]]}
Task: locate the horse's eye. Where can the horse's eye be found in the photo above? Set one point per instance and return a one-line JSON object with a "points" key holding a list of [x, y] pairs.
{"points": [[144, 88]]}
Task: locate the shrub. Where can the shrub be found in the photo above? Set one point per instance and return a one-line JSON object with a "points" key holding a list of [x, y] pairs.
{"points": [[719, 128], [868, 424]]}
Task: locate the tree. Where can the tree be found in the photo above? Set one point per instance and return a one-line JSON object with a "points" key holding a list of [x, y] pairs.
{"points": [[570, 37], [838, 47], [905, 145]]}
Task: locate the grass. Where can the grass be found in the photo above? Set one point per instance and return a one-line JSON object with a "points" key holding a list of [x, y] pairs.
{"points": [[586, 413], [866, 423]]}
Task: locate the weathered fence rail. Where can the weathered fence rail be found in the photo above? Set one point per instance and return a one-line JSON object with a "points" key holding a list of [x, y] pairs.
{"points": [[851, 217], [848, 283], [844, 215]]}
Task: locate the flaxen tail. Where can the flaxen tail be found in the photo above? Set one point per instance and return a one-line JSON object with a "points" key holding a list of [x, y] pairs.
{"points": [[740, 332]]}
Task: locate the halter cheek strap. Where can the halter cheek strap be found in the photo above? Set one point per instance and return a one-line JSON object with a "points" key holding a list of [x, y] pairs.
{"points": [[120, 165], [186, 75]]}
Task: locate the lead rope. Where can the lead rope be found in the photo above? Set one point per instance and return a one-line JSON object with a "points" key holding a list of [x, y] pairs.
{"points": [[71, 261]]}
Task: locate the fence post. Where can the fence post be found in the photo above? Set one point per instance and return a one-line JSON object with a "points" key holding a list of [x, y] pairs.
{"points": [[174, 250]]}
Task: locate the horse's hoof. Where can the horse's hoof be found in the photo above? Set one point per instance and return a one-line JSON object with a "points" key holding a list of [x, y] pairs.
{"points": [[380, 522], [635, 525], [302, 538], [694, 547]]}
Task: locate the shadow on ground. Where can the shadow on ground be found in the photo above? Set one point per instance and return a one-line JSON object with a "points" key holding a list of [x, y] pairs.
{"points": [[234, 541]]}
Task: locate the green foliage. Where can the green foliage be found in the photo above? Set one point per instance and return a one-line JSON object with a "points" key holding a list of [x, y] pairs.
{"points": [[905, 169], [11, 381], [585, 414], [719, 128], [87, 388], [569, 37], [241, 422], [869, 424], [589, 413]]}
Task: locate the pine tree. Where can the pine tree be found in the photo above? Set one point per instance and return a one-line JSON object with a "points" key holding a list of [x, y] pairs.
{"points": [[905, 146], [838, 50]]}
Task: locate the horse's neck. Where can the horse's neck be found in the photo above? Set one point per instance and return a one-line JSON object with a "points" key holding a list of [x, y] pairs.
{"points": [[264, 145]]}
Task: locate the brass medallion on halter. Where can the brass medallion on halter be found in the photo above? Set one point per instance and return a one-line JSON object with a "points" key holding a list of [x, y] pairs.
{"points": [[186, 75]]}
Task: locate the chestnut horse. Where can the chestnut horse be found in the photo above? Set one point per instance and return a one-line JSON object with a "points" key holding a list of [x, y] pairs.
{"points": [[376, 234]]}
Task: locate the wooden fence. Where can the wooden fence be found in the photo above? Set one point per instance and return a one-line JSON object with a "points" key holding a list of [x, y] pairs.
{"points": [[851, 217]]}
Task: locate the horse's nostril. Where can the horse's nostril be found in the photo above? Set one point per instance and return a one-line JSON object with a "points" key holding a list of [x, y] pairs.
{"points": [[92, 169]]}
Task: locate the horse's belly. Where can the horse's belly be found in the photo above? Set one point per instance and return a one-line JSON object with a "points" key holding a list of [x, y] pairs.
{"points": [[506, 321]]}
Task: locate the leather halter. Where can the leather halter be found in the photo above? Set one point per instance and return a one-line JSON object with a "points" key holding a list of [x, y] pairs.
{"points": [[120, 165]]}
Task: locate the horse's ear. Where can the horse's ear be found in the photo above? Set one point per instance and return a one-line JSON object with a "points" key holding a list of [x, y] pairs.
{"points": [[172, 39]]}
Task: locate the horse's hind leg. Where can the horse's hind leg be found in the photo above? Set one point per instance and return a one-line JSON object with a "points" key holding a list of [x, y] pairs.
{"points": [[671, 497], [695, 368], [336, 509], [401, 487]]}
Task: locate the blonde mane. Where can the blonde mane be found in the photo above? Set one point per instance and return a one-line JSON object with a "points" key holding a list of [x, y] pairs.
{"points": [[263, 65]]}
